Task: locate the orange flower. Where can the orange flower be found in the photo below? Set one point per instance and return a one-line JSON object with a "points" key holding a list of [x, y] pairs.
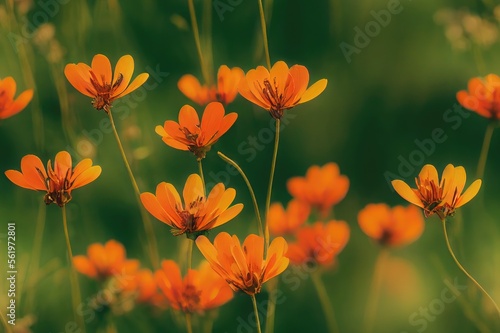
{"points": [[58, 181], [280, 89], [319, 243], [200, 289], [483, 96], [143, 284], [282, 222], [244, 267], [322, 187], [103, 261], [97, 81], [225, 91], [9, 106], [190, 134], [440, 197], [198, 213], [391, 226]]}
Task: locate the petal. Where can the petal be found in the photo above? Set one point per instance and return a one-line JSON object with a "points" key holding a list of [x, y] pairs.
{"points": [[84, 266], [18, 178], [193, 190], [279, 75], [300, 76], [125, 67], [211, 120], [373, 220], [34, 172], [406, 192], [430, 173], [313, 91], [228, 215], [102, 68], [188, 118], [190, 86], [19, 104], [226, 123], [152, 205], [138, 81], [87, 176], [73, 75], [469, 193]]}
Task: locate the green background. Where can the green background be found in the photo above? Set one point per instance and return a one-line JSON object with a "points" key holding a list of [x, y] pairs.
{"points": [[395, 90]]}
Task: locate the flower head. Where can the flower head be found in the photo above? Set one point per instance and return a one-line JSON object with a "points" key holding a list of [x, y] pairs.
{"points": [[281, 221], [483, 96], [198, 213], [58, 181], [319, 243], [8, 105], [200, 289], [440, 197], [225, 91], [98, 82], [244, 267], [189, 134], [103, 261], [322, 187], [143, 286], [280, 89], [391, 226]]}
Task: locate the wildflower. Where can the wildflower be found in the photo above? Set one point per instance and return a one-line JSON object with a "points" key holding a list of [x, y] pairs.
{"points": [[142, 283], [57, 181], [103, 261], [319, 243], [198, 213], [280, 89], [98, 83], [8, 105], [391, 226], [244, 267], [200, 289], [322, 187], [189, 134], [440, 197], [225, 91], [281, 221], [483, 96]]}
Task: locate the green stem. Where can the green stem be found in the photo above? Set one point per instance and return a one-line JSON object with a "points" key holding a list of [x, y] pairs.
{"points": [[250, 189], [148, 227], [190, 255], [443, 220], [207, 34], [189, 326], [481, 165], [376, 286], [271, 308], [75, 287], [271, 178], [325, 302], [200, 168], [264, 34], [196, 33], [254, 302]]}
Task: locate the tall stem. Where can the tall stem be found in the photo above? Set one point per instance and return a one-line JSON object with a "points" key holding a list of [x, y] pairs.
{"points": [[325, 302], [250, 189], [75, 287], [190, 255], [254, 302], [481, 164], [271, 308], [200, 168], [376, 286], [443, 220], [271, 178], [148, 227], [189, 326], [264, 34], [196, 33]]}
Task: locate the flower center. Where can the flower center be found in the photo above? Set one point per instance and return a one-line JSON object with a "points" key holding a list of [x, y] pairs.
{"points": [[58, 189], [275, 99], [191, 298], [430, 194], [104, 92]]}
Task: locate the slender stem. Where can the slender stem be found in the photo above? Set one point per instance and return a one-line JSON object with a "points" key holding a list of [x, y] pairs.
{"points": [[75, 287], [8, 328], [200, 168], [196, 33], [376, 286], [271, 308], [254, 302], [481, 164], [207, 35], [190, 255], [250, 189], [325, 302], [264, 34], [148, 227], [443, 220], [271, 178], [189, 326]]}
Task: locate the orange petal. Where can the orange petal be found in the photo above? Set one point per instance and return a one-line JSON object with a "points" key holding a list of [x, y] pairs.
{"points": [[152, 205], [228, 215], [470, 193], [125, 67], [193, 189], [84, 266], [136, 83], [19, 104], [74, 76], [87, 176], [314, 90], [406, 192], [18, 178], [102, 68], [211, 120], [188, 118], [190, 86], [34, 172]]}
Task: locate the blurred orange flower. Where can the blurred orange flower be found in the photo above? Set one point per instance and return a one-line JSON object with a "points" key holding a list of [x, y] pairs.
{"points": [[225, 91], [391, 226], [57, 181], [99, 83], [440, 197], [319, 243], [280, 89], [200, 289], [103, 261], [244, 267], [281, 221], [8, 105], [198, 213], [190, 134], [483, 96], [143, 284], [322, 187]]}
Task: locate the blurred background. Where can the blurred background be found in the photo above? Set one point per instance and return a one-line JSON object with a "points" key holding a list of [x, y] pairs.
{"points": [[395, 85]]}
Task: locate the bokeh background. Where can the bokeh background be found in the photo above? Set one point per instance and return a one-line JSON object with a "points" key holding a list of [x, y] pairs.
{"points": [[380, 99]]}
